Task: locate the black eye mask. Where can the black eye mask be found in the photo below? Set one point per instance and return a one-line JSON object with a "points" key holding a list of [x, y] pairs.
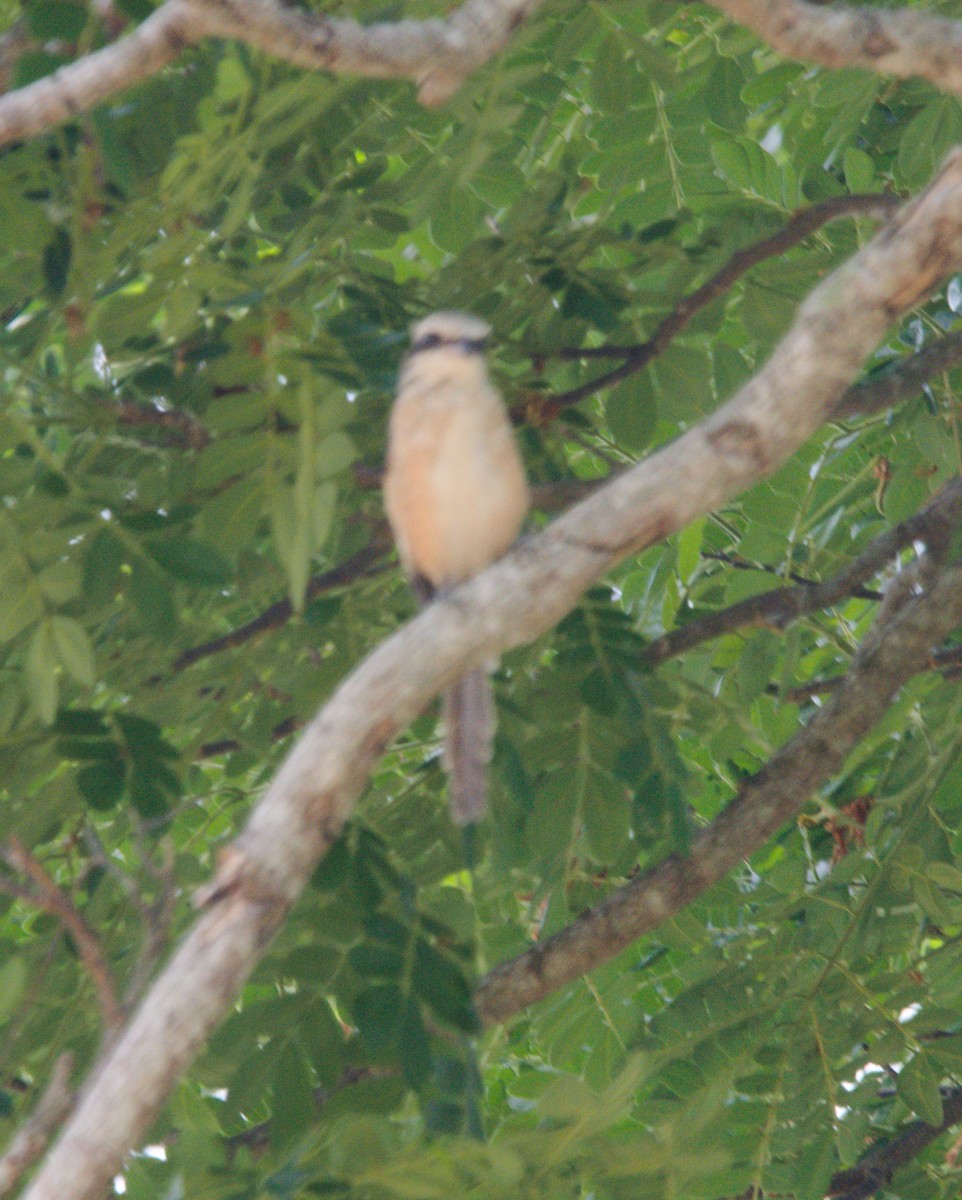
{"points": [[431, 341]]}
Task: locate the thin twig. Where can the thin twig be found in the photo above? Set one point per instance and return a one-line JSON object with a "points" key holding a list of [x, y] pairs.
{"points": [[778, 608], [798, 227], [358, 565], [48, 896]]}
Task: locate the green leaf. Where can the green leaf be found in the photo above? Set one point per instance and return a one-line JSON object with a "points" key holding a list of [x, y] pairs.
{"points": [[631, 411], [56, 261], [13, 982], [689, 548], [377, 1011], [945, 875], [918, 1087], [74, 649], [378, 962], [192, 560], [102, 567], [144, 738], [20, 603], [41, 671], [616, 82], [51, 20], [294, 1108], [335, 454], [233, 517], [414, 1046], [81, 722], [146, 794], [440, 983], [152, 594], [102, 784]]}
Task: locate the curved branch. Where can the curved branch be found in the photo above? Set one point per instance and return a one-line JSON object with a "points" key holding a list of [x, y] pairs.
{"points": [[901, 381], [905, 43], [513, 602], [438, 55], [800, 225]]}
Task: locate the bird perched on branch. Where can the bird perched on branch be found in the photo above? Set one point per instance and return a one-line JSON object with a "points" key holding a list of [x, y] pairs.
{"points": [[456, 497]]}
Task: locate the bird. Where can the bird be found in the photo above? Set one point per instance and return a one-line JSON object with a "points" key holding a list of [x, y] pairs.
{"points": [[456, 496]]}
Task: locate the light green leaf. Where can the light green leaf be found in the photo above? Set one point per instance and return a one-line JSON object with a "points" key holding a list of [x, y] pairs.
{"points": [[918, 1086], [42, 661], [13, 981], [74, 650]]}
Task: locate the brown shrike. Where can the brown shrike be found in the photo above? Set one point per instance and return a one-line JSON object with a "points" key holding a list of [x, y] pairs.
{"points": [[456, 497]]}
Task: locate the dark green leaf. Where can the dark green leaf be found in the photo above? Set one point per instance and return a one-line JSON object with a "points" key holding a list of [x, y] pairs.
{"points": [[377, 1011], [191, 560], [102, 784]]}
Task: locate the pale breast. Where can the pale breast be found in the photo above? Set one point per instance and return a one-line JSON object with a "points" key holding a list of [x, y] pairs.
{"points": [[455, 489]]}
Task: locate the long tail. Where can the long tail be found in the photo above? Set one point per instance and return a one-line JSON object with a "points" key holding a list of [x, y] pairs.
{"points": [[468, 710]]}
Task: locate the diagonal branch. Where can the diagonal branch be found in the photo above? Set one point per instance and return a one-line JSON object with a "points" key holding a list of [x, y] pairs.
{"points": [[48, 896], [363, 562], [799, 226], [778, 608], [438, 55], [903, 380], [876, 1168], [947, 660], [895, 650], [513, 602]]}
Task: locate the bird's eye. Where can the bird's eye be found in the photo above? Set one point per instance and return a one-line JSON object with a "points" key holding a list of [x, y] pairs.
{"points": [[473, 345], [428, 341]]}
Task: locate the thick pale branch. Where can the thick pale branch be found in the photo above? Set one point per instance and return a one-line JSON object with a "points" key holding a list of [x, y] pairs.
{"points": [[512, 602], [79, 86], [438, 55], [903, 42], [775, 795]]}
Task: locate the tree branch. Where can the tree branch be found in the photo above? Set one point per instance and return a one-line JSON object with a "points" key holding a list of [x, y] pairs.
{"points": [[278, 614], [48, 896], [877, 1167], [778, 608], [438, 55], [947, 660], [901, 381], [898, 645], [905, 43], [514, 601], [799, 226]]}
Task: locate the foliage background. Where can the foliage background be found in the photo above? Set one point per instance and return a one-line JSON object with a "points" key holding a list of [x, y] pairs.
{"points": [[205, 289]]}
